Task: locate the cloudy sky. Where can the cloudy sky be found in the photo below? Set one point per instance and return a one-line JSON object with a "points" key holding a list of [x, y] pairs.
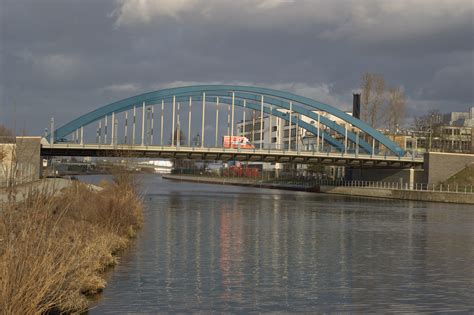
{"points": [[63, 58]]}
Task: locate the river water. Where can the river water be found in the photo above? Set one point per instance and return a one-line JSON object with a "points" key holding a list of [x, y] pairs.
{"points": [[236, 249]]}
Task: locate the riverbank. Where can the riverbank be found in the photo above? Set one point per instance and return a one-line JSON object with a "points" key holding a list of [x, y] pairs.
{"points": [[57, 238], [239, 181], [416, 195]]}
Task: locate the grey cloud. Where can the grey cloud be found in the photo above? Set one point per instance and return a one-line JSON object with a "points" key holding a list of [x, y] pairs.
{"points": [[64, 58]]}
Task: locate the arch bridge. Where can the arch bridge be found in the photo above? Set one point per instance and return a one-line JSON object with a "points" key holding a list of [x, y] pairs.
{"points": [[191, 121]]}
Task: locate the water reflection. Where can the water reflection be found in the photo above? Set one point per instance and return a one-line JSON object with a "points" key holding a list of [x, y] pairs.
{"points": [[238, 249]]}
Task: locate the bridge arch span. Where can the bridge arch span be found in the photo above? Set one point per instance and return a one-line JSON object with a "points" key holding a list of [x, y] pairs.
{"points": [[281, 102]]}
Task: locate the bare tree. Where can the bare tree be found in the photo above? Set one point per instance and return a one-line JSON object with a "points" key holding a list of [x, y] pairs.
{"points": [[431, 121], [429, 125], [395, 108], [373, 97]]}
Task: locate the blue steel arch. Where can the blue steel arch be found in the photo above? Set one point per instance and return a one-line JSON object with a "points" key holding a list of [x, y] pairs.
{"points": [[327, 138], [278, 98], [300, 110]]}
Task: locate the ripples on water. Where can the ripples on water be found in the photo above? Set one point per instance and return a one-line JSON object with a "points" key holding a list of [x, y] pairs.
{"points": [[238, 249]]}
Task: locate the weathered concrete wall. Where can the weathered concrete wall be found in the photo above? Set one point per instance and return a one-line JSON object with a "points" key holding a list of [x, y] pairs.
{"points": [[21, 161], [28, 155], [433, 196], [385, 175], [7, 155], [441, 166]]}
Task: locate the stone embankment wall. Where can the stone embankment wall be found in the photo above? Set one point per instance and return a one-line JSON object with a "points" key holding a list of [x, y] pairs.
{"points": [[433, 196]]}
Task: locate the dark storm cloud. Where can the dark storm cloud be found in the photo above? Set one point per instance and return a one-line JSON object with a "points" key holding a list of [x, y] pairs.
{"points": [[64, 58]]}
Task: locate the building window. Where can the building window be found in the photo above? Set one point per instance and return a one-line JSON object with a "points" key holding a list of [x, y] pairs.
{"points": [[274, 140], [274, 128]]}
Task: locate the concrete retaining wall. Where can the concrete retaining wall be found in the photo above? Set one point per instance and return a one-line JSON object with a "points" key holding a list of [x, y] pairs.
{"points": [[350, 191], [385, 175], [433, 196], [441, 166]]}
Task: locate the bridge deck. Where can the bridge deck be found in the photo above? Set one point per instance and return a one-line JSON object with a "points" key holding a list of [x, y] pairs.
{"points": [[222, 154]]}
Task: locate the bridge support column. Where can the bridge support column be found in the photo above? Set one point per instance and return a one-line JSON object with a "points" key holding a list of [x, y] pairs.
{"points": [[228, 120], [232, 115], [297, 133], [161, 125], [82, 135], [357, 143], [243, 126], [143, 123], [172, 122], [134, 123], [217, 120], [99, 136], [189, 120], [203, 117], [261, 122], [112, 140], [105, 130], [178, 127], [51, 138], [291, 127], [345, 138], [152, 124], [270, 127], [126, 128], [317, 137]]}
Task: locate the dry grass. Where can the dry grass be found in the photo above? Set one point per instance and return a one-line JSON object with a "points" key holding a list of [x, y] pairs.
{"points": [[463, 178], [53, 250]]}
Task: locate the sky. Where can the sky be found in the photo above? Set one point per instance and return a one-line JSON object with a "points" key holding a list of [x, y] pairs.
{"points": [[64, 58]]}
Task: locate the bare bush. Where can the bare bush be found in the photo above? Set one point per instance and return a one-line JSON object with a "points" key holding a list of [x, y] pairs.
{"points": [[54, 249]]}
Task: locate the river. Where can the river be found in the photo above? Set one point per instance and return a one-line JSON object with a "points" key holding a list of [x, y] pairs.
{"points": [[236, 249]]}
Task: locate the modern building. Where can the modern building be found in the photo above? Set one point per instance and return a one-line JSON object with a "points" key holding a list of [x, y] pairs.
{"points": [[453, 133], [460, 119], [270, 132]]}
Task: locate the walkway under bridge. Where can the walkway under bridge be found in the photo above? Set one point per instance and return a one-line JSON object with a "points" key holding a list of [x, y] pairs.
{"points": [[223, 154]]}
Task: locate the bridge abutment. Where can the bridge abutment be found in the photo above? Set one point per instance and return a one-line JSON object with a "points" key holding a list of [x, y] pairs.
{"points": [[439, 167]]}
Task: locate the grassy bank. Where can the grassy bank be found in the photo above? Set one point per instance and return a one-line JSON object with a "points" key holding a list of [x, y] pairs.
{"points": [[54, 248]]}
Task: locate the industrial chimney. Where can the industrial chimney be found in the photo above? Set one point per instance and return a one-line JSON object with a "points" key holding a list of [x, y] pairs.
{"points": [[356, 105]]}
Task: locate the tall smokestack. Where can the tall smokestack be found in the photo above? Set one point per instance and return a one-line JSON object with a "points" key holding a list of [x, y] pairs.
{"points": [[356, 105]]}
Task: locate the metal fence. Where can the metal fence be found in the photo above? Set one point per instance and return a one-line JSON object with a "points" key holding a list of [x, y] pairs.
{"points": [[451, 188]]}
